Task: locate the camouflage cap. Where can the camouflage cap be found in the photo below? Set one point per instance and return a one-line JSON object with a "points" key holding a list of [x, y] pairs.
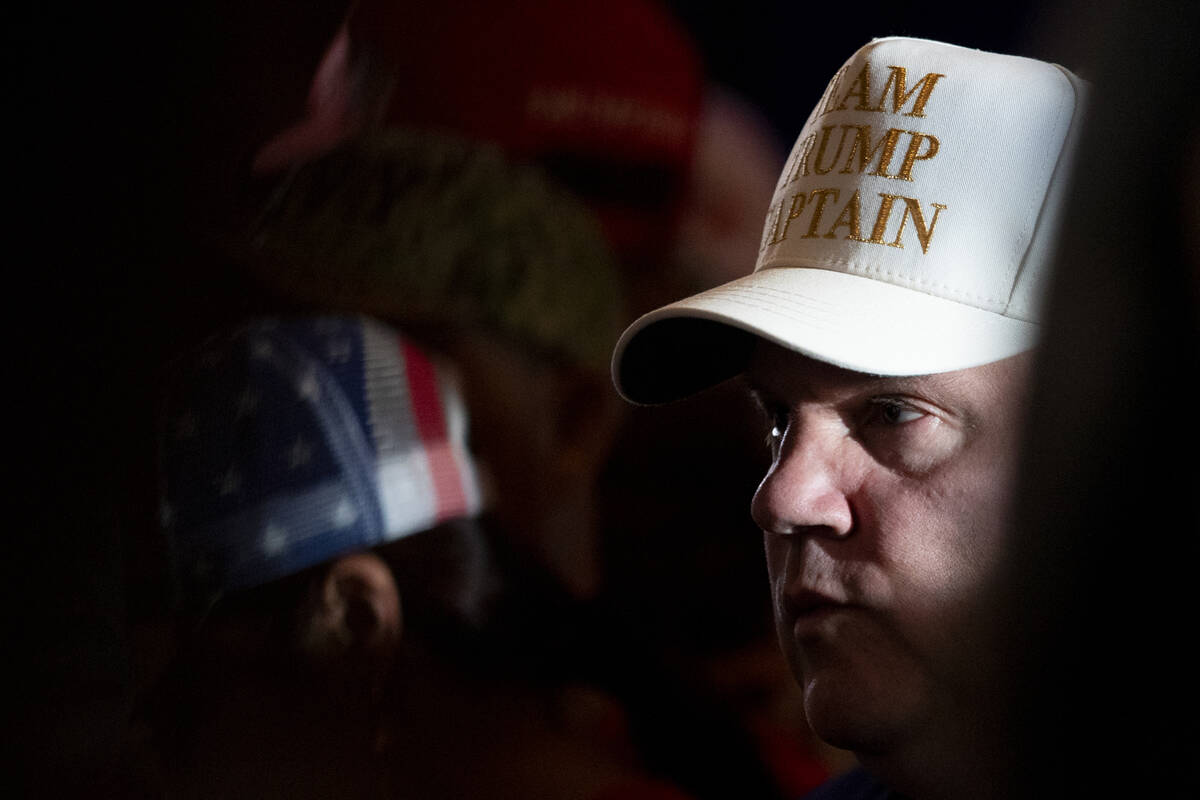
{"points": [[420, 228]]}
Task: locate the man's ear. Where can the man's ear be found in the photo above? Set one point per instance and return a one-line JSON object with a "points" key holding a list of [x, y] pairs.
{"points": [[352, 613]]}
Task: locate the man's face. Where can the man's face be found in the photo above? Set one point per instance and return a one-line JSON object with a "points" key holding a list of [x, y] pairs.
{"points": [[883, 516]]}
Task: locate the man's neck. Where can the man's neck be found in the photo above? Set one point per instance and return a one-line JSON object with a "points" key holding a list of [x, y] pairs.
{"points": [[961, 758]]}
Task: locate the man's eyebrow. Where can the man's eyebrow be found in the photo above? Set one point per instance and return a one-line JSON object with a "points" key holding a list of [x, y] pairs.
{"points": [[915, 384], [937, 388]]}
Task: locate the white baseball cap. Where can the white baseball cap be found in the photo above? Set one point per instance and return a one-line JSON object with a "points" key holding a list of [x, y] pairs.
{"points": [[911, 231]]}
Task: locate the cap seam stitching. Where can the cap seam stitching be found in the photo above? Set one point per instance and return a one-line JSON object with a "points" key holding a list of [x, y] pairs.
{"points": [[1060, 158], [863, 271]]}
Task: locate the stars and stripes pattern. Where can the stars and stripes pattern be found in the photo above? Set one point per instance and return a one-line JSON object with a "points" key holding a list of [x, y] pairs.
{"points": [[288, 443]]}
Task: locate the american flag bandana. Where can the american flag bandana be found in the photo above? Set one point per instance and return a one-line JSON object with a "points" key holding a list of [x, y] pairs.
{"points": [[290, 442]]}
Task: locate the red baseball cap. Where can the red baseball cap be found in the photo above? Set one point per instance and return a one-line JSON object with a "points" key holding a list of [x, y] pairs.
{"points": [[605, 96]]}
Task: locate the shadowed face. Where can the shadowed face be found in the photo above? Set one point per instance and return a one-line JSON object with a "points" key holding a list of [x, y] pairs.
{"points": [[883, 516]]}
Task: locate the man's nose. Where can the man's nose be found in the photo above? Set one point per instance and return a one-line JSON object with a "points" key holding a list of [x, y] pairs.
{"points": [[805, 491]]}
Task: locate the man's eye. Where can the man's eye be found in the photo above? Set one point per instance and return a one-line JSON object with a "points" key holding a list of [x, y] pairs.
{"points": [[908, 435], [894, 412]]}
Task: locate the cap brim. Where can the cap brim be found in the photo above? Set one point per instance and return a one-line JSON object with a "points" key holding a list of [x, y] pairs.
{"points": [[846, 320]]}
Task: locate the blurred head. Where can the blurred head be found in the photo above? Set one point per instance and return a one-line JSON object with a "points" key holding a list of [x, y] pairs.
{"points": [[887, 331], [603, 100], [286, 443], [604, 96], [492, 264], [317, 499]]}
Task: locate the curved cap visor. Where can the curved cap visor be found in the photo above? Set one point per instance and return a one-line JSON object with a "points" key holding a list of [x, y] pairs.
{"points": [[838, 318]]}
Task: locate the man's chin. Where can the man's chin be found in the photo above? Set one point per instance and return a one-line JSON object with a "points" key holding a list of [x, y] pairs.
{"points": [[845, 715], [840, 728]]}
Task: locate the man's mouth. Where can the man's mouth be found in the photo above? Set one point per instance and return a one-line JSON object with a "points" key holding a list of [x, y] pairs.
{"points": [[807, 603]]}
